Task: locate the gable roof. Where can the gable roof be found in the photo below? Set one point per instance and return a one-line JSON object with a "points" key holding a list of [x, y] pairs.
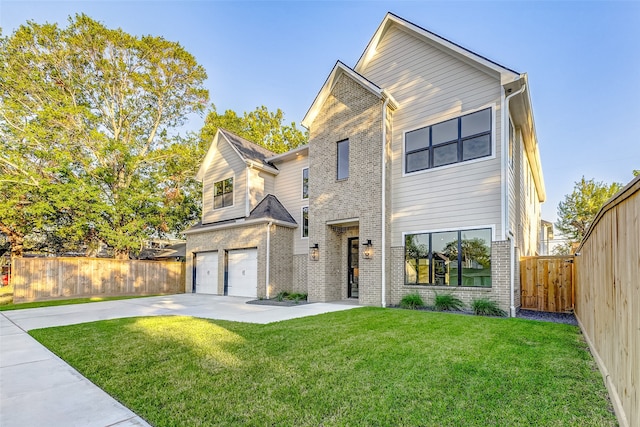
{"points": [[338, 70], [249, 152], [390, 20], [271, 208]]}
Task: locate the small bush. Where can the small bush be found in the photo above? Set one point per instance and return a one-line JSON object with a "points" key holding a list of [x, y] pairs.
{"points": [[284, 295], [487, 307], [280, 296], [447, 302], [411, 301]]}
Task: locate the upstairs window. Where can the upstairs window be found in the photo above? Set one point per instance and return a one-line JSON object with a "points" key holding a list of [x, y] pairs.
{"points": [[343, 159], [223, 193], [457, 140], [305, 183]]}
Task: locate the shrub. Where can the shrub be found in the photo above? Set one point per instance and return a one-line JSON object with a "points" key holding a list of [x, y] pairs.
{"points": [[284, 295], [487, 307], [411, 301], [447, 302], [280, 296]]}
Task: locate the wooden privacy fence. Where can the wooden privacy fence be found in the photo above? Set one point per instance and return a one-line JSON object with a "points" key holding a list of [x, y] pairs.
{"points": [[546, 283], [608, 298], [36, 279]]}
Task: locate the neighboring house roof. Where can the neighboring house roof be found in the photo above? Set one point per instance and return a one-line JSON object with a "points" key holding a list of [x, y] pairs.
{"points": [[250, 153], [179, 250], [391, 20], [271, 208], [338, 70]]}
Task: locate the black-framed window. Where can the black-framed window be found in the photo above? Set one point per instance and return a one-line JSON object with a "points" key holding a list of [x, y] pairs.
{"points": [[343, 159], [305, 183], [448, 258], [305, 221], [223, 193], [457, 140]]}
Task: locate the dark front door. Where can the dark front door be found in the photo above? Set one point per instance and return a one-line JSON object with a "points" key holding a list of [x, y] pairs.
{"points": [[353, 273]]}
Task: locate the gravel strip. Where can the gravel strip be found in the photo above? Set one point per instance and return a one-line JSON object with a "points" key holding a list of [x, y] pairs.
{"points": [[566, 318]]}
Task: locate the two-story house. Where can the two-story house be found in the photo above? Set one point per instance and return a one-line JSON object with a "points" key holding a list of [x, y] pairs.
{"points": [[422, 174]]}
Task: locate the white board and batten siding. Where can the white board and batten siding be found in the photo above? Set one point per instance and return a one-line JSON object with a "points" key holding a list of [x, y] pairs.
{"points": [[432, 86], [242, 273], [207, 273], [288, 187], [226, 164]]}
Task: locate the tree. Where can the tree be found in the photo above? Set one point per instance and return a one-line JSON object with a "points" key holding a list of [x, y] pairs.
{"points": [[261, 126], [578, 210], [89, 148]]}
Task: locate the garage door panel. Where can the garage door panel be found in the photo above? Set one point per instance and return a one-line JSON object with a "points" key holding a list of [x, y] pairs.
{"points": [[242, 267], [207, 273]]}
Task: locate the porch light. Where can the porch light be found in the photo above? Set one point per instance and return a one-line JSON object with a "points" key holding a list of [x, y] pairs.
{"points": [[367, 251], [314, 252]]}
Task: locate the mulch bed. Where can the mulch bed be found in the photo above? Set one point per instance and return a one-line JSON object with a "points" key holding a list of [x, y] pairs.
{"points": [[283, 303]]}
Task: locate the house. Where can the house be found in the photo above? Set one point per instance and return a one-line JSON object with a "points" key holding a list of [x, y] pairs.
{"points": [[422, 173]]}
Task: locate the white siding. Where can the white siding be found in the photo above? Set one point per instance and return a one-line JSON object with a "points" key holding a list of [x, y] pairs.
{"points": [[226, 164], [288, 189], [432, 86], [260, 184]]}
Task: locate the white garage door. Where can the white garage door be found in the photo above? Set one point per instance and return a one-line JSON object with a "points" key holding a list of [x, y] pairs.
{"points": [[243, 273], [207, 272]]}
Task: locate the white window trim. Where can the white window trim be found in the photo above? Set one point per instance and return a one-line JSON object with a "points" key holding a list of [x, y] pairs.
{"points": [[302, 185], [302, 236], [444, 118], [233, 194]]}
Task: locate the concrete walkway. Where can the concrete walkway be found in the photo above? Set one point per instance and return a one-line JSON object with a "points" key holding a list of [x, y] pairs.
{"points": [[37, 388]]}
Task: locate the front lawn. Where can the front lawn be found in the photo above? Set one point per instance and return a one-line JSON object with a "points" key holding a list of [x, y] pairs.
{"points": [[362, 367]]}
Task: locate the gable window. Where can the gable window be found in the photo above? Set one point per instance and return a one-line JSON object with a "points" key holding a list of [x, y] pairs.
{"points": [[457, 140], [305, 183], [223, 193], [343, 159], [305, 221], [449, 258]]}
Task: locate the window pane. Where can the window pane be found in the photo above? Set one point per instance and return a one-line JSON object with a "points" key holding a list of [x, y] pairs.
{"points": [[444, 132], [343, 159], [305, 222], [445, 154], [416, 255], [417, 161], [217, 202], [479, 146], [417, 139], [228, 185], [444, 247], [305, 183], [227, 199], [476, 258], [476, 123], [217, 188]]}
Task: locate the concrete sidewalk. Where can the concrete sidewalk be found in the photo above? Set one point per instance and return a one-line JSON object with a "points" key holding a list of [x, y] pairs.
{"points": [[37, 388]]}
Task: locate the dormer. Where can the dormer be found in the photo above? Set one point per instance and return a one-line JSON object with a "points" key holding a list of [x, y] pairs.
{"points": [[235, 176]]}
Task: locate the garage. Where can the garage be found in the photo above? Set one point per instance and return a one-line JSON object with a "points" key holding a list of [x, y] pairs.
{"points": [[242, 279], [206, 273]]}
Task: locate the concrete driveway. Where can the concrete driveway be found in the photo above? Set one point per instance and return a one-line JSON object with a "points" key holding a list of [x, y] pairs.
{"points": [[37, 388]]}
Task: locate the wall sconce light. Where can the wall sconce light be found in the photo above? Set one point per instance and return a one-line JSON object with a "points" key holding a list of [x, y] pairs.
{"points": [[367, 251], [314, 252]]}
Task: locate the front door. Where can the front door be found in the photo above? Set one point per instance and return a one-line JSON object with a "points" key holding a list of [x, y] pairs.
{"points": [[353, 271]]}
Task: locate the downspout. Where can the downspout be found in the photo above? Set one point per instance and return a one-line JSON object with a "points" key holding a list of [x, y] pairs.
{"points": [[506, 225], [383, 251], [268, 266]]}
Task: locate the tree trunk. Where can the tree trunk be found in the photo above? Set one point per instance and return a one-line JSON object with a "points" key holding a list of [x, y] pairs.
{"points": [[16, 240], [121, 254]]}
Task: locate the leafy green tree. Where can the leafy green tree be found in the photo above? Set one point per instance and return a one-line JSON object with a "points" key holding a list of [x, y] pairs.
{"points": [[578, 210], [260, 126], [88, 145], [472, 249]]}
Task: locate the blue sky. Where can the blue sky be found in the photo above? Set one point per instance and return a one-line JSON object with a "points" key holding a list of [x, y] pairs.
{"points": [[582, 58]]}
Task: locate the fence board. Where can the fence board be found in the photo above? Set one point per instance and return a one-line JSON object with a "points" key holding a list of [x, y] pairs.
{"points": [[608, 298], [37, 279], [546, 283]]}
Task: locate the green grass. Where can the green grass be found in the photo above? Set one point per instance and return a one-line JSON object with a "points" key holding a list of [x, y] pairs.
{"points": [[51, 303], [362, 367]]}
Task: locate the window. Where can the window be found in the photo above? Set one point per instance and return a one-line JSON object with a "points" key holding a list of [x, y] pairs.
{"points": [[305, 222], [449, 258], [343, 159], [457, 140], [223, 193], [305, 183]]}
